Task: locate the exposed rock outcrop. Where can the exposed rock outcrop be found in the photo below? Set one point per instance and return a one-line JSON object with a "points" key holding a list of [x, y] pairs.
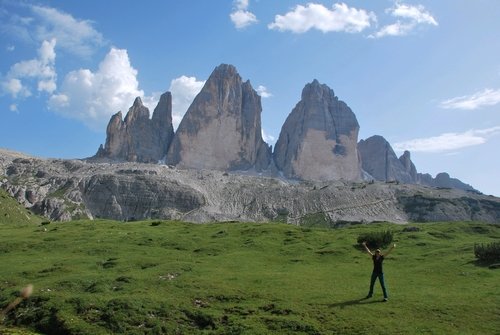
{"points": [[221, 130], [408, 165], [444, 180], [318, 140], [139, 138], [63, 190], [380, 161]]}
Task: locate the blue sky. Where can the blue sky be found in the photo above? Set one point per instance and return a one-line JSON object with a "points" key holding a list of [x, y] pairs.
{"points": [[423, 74]]}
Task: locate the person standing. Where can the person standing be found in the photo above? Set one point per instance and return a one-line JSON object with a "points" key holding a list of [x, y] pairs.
{"points": [[378, 272]]}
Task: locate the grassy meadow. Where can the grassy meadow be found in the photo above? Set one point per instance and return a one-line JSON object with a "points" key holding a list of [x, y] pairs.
{"points": [[160, 277]]}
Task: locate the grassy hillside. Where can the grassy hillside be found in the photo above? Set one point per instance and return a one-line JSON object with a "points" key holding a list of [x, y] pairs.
{"points": [[102, 277], [11, 212]]}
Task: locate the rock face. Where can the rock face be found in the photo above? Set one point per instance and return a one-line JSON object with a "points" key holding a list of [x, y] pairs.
{"points": [[380, 161], [221, 130], [72, 189], [408, 165], [139, 138], [444, 180], [318, 140]]}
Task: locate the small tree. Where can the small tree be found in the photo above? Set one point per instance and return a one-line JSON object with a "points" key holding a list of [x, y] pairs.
{"points": [[487, 252], [374, 240]]}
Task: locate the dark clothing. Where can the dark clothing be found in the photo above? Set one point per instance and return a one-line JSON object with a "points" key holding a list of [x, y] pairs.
{"points": [[377, 273], [377, 263], [380, 277]]}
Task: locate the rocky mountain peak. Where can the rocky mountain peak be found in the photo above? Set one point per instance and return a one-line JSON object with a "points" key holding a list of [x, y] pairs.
{"points": [[317, 91], [137, 112], [139, 138], [221, 130], [379, 160], [318, 140]]}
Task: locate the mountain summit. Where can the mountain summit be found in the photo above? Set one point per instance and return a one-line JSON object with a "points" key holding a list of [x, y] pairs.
{"points": [[221, 130], [318, 140], [139, 138]]}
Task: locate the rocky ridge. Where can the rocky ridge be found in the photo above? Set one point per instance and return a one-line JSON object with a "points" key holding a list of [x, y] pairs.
{"points": [[138, 138], [70, 189], [318, 140], [221, 130], [380, 162]]}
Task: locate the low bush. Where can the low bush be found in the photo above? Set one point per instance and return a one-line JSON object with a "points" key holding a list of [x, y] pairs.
{"points": [[377, 239], [487, 252]]}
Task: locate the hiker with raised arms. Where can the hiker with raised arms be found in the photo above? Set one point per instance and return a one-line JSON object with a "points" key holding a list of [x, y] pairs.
{"points": [[378, 272]]}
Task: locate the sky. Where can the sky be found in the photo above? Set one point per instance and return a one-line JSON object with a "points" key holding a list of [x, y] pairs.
{"points": [[423, 74]]}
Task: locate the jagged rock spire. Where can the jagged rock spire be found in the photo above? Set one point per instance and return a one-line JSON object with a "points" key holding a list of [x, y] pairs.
{"points": [[318, 140], [139, 138], [221, 130]]}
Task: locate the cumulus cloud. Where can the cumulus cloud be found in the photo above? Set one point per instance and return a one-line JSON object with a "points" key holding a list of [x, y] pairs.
{"points": [[448, 141], [409, 17], [92, 97], [269, 139], [41, 23], [487, 97], [40, 70], [240, 16], [14, 87], [184, 89], [340, 18], [263, 92]]}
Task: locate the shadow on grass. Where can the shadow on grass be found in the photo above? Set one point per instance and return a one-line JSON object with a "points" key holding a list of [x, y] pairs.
{"points": [[485, 264], [362, 301]]}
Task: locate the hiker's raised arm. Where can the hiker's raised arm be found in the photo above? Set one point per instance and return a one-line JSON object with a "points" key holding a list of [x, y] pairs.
{"points": [[366, 248], [389, 251]]}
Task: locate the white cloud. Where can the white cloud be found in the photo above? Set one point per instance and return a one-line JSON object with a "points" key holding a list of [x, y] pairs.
{"points": [[92, 97], [487, 97], [184, 89], [241, 4], [40, 70], [417, 14], [240, 16], [15, 88], [45, 23], [10, 48], [76, 36], [263, 92], [448, 141], [316, 16], [269, 139], [409, 17]]}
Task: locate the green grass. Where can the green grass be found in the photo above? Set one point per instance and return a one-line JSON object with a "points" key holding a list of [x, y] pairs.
{"points": [[13, 213], [103, 277]]}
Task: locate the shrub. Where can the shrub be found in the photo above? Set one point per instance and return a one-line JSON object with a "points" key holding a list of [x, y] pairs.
{"points": [[487, 252], [378, 239]]}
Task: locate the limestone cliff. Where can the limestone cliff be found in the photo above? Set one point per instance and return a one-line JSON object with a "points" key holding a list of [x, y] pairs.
{"points": [[380, 161], [71, 189], [139, 138], [221, 130], [318, 140]]}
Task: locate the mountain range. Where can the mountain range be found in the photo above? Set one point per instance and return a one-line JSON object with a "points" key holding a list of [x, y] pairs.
{"points": [[217, 167], [221, 130]]}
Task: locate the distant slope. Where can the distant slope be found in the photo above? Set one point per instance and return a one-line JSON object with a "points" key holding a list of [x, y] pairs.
{"points": [[66, 190], [11, 212]]}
